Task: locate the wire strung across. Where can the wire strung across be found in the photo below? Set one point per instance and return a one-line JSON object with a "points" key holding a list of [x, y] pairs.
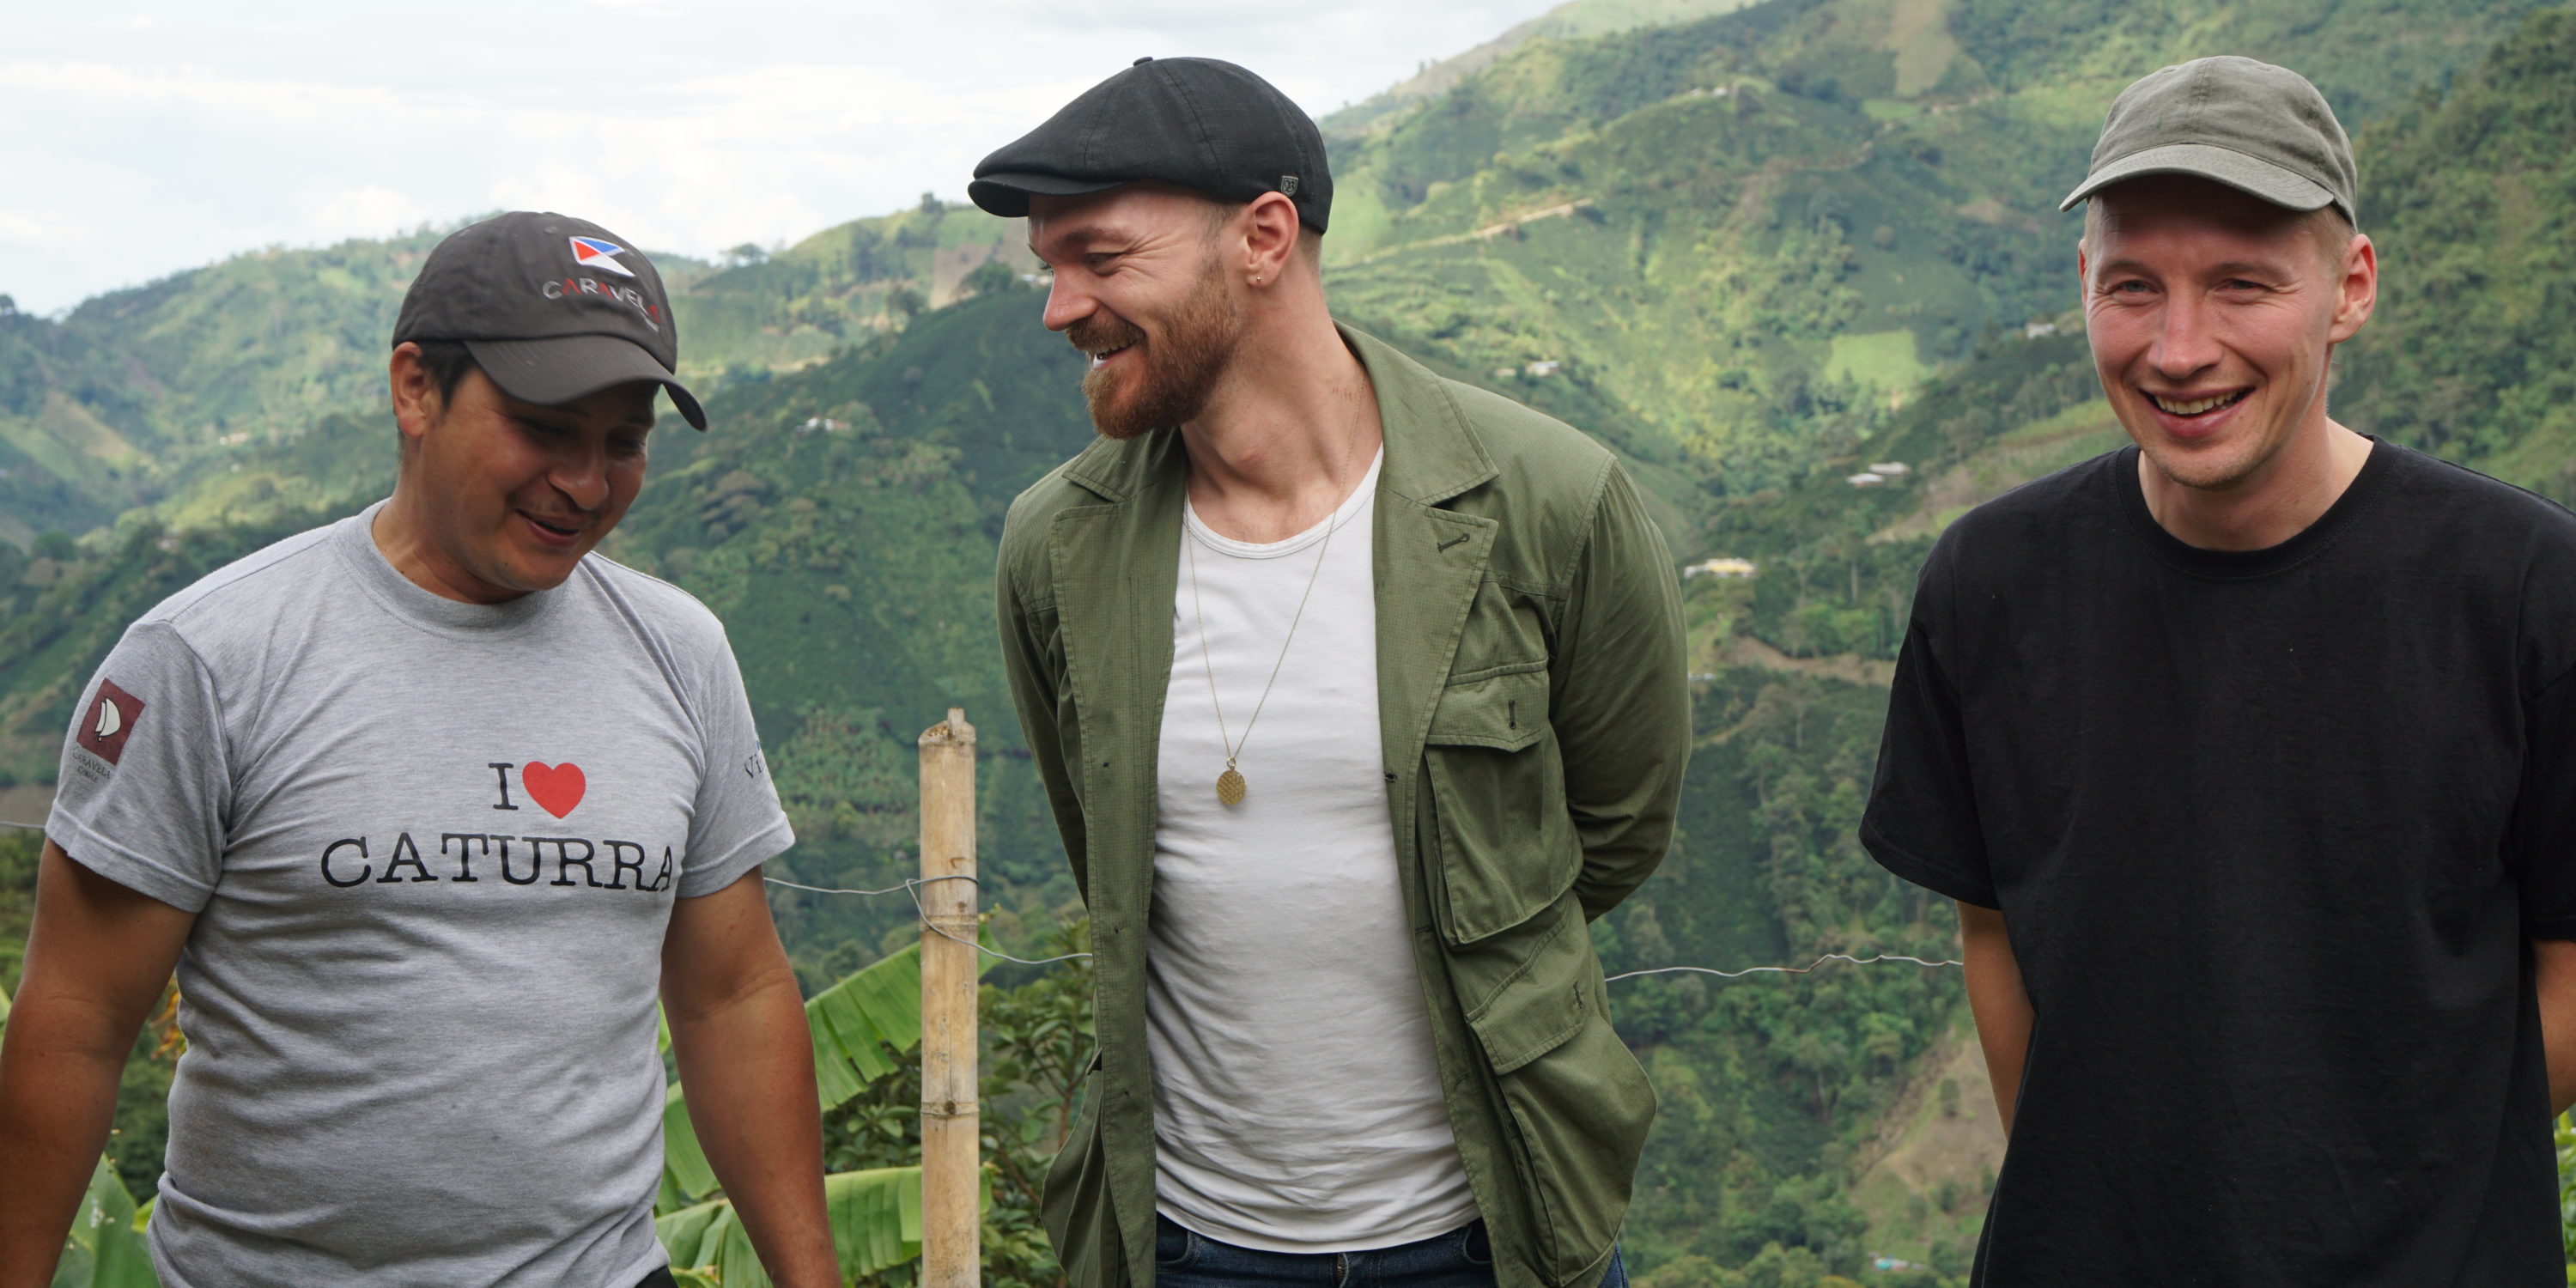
{"points": [[913, 885], [1782, 970]]}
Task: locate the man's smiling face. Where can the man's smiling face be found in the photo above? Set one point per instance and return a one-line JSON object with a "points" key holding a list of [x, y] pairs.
{"points": [[1139, 287], [2212, 315], [519, 492]]}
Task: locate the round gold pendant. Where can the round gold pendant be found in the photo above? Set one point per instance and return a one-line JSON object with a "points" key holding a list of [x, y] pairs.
{"points": [[1229, 787]]}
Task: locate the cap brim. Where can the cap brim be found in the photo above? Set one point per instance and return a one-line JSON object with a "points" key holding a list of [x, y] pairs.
{"points": [[562, 369], [1008, 194], [2246, 174]]}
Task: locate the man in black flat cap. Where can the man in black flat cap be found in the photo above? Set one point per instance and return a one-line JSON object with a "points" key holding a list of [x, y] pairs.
{"points": [[428, 807], [1357, 692], [2249, 753]]}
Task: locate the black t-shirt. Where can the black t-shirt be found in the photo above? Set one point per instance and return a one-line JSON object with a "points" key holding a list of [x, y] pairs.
{"points": [[2269, 830]]}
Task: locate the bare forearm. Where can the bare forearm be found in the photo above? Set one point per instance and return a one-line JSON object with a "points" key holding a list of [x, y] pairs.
{"points": [[1996, 998], [2554, 972], [58, 1074], [97, 958], [747, 1068]]}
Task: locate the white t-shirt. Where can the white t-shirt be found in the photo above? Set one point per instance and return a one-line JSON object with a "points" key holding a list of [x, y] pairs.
{"points": [[1297, 1103], [432, 848]]}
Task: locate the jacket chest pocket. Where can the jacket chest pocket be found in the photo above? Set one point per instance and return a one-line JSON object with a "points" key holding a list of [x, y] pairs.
{"points": [[1497, 792]]}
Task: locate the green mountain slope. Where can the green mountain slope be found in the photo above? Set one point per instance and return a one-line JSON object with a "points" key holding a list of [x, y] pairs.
{"points": [[1569, 21], [134, 394], [1757, 231], [1710, 271], [2472, 200]]}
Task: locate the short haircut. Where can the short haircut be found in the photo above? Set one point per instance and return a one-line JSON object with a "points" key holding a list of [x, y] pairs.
{"points": [[1310, 239], [446, 361]]}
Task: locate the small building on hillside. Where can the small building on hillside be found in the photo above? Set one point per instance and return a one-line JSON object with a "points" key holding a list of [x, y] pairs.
{"points": [[1545, 367], [1890, 469], [1867, 478], [1723, 567]]}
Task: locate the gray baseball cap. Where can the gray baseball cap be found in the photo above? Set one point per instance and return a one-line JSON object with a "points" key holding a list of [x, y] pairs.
{"points": [[2261, 129]]}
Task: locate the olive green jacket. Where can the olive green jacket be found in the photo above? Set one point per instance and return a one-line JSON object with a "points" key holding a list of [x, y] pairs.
{"points": [[1532, 706]]}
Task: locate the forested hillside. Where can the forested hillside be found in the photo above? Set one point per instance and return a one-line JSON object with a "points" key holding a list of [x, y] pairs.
{"points": [[1758, 231], [137, 392], [1767, 250]]}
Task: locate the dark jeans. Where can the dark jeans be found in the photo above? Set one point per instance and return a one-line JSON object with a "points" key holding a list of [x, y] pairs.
{"points": [[1462, 1258], [659, 1279]]}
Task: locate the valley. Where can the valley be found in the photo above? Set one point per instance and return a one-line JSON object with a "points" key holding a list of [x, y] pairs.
{"points": [[1758, 250]]}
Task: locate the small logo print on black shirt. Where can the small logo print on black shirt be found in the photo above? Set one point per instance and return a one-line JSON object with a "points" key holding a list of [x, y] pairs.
{"points": [[109, 721]]}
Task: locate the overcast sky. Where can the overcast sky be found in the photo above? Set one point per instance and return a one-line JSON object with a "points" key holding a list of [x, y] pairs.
{"points": [[138, 141]]}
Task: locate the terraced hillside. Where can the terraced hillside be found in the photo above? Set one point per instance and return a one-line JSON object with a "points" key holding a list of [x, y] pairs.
{"points": [[1752, 295]]}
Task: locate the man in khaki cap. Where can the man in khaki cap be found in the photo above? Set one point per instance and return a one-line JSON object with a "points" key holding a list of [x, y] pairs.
{"points": [[2249, 753]]}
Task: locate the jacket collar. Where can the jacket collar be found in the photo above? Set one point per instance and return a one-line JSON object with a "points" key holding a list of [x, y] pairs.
{"points": [[1431, 455]]}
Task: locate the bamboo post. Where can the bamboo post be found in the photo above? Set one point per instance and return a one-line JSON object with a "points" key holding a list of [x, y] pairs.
{"points": [[951, 1165]]}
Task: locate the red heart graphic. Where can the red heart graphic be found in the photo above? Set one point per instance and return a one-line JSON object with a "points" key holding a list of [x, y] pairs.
{"points": [[555, 788]]}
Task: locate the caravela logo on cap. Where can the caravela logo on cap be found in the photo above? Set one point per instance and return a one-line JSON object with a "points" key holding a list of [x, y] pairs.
{"points": [[109, 721], [594, 252]]}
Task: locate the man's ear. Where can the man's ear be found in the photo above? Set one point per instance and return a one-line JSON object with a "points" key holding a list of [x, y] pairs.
{"points": [[417, 404], [2358, 294], [1270, 230]]}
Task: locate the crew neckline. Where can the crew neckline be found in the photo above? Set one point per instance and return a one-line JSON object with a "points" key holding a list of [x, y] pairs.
{"points": [[2357, 498], [1350, 508], [355, 541]]}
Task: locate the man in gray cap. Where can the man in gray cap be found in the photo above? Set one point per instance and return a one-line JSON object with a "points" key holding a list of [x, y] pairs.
{"points": [[2249, 754], [1356, 692], [428, 807]]}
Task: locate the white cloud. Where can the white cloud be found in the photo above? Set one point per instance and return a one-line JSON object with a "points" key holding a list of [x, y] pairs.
{"points": [[139, 146], [330, 213]]}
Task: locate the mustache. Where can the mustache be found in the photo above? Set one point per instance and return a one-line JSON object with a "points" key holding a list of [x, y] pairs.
{"points": [[1102, 332]]}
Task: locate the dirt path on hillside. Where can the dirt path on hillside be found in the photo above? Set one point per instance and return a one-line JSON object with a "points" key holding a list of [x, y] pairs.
{"points": [[1925, 1179], [1850, 668], [26, 803]]}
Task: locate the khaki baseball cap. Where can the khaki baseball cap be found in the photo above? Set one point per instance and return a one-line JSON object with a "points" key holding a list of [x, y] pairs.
{"points": [[2261, 129]]}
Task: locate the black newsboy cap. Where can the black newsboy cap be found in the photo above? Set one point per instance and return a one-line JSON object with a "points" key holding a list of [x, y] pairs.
{"points": [[1197, 122]]}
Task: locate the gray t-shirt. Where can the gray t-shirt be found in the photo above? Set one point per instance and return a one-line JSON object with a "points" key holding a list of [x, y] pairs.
{"points": [[432, 848]]}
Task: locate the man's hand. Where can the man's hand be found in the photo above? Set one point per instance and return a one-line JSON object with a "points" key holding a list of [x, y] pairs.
{"points": [[1996, 998], [747, 1064], [97, 959], [2553, 963]]}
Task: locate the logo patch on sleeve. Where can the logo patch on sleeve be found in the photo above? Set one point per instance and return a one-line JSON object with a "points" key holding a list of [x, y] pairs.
{"points": [[109, 721]]}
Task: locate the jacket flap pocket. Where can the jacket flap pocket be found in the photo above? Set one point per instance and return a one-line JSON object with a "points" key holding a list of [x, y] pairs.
{"points": [[1541, 1002], [1506, 845], [1504, 710]]}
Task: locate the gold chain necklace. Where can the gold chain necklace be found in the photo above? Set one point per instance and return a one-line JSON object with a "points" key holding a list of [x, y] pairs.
{"points": [[1230, 785]]}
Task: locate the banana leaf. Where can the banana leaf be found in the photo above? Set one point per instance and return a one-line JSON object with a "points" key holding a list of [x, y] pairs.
{"points": [[875, 1217], [686, 1173], [857, 1026], [856, 1020], [106, 1245]]}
